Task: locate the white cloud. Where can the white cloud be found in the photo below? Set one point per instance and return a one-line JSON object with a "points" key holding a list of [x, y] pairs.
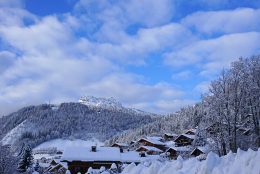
{"points": [[11, 3], [149, 13], [214, 54], [182, 75], [229, 21], [55, 65]]}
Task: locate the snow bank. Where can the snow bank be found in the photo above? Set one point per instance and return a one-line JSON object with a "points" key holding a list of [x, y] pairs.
{"points": [[243, 162]]}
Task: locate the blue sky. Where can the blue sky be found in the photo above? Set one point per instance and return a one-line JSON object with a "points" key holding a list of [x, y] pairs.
{"points": [[155, 55]]}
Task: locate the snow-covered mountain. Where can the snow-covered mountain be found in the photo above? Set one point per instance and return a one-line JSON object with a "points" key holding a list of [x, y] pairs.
{"points": [[90, 117], [111, 104]]}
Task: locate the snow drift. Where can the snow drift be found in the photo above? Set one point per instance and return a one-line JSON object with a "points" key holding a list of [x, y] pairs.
{"points": [[243, 162]]}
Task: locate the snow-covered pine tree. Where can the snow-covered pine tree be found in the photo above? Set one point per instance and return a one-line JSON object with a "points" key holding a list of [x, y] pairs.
{"points": [[26, 160]]}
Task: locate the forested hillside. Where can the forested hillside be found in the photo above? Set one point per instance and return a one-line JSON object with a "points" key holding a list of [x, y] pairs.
{"points": [[228, 114], [37, 124]]}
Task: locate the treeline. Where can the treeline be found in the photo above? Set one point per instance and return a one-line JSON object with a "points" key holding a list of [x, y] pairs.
{"points": [[227, 116]]}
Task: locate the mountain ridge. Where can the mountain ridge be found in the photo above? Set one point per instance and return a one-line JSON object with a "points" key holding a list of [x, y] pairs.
{"points": [[37, 124]]}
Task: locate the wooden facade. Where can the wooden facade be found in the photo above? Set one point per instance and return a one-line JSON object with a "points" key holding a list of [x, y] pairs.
{"points": [[59, 169], [149, 151], [183, 140], [169, 137], [119, 145], [190, 132], [196, 152], [82, 166], [146, 142], [171, 153]]}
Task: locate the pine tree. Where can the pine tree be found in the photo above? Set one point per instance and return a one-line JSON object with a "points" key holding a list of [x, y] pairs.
{"points": [[37, 166], [26, 160]]}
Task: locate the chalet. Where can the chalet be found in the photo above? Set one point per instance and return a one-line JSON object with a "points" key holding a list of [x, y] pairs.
{"points": [[80, 159], [54, 162], [60, 168], [59, 152], [169, 137], [174, 152], [132, 142], [190, 132], [53, 165], [43, 160], [197, 151], [120, 145], [247, 132], [200, 152], [150, 150], [184, 140], [171, 153], [215, 127], [243, 131], [152, 141]]}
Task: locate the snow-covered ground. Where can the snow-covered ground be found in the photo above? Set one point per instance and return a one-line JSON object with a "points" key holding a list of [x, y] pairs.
{"points": [[62, 144], [244, 162]]}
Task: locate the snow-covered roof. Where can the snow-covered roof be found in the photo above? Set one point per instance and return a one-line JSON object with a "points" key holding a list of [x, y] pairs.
{"points": [[191, 130], [121, 144], [187, 135], [170, 134], [131, 156], [151, 148], [85, 154], [204, 149], [102, 154], [153, 140], [180, 149]]}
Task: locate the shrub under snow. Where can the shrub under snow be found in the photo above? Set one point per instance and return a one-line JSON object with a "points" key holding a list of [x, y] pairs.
{"points": [[243, 162]]}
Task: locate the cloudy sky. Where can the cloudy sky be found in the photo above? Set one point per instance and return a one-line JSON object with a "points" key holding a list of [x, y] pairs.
{"points": [[155, 55]]}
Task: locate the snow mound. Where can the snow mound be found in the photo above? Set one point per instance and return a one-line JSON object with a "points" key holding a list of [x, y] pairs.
{"points": [[243, 162]]}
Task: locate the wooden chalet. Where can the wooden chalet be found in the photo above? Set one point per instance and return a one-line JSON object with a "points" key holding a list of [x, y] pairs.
{"points": [[59, 168], [243, 131], [171, 153], [59, 152], [120, 145], [169, 137], [200, 151], [153, 142], [190, 132], [80, 159], [54, 162], [174, 152], [196, 152], [150, 150], [132, 142], [215, 128], [184, 140]]}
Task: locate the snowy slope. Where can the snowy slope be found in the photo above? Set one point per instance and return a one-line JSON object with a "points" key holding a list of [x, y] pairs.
{"points": [[244, 162], [16, 133]]}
